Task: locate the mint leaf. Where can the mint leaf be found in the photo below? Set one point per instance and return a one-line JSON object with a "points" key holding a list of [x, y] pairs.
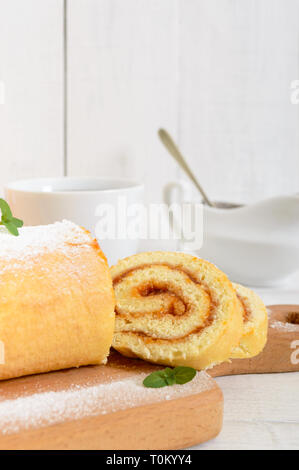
{"points": [[12, 228], [17, 222], [184, 374], [155, 380], [166, 372], [170, 380], [168, 376], [5, 210], [11, 223]]}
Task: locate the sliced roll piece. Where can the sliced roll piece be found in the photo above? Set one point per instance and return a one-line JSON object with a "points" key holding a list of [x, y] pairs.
{"points": [[255, 323], [175, 309]]}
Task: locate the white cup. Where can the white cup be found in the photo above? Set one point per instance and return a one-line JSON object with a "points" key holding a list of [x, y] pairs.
{"points": [[44, 201]]}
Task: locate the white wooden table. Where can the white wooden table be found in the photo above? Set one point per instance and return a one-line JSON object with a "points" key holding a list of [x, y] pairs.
{"points": [[261, 411]]}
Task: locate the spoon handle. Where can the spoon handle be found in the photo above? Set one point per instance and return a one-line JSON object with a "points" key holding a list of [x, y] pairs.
{"points": [[175, 152]]}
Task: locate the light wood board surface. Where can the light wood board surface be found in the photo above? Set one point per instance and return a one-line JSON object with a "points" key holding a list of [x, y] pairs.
{"points": [[107, 407]]}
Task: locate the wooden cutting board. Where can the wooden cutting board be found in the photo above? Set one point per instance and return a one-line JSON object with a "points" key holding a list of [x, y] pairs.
{"points": [[106, 407], [281, 353]]}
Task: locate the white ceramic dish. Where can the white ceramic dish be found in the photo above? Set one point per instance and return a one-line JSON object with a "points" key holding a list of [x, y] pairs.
{"points": [[257, 244]]}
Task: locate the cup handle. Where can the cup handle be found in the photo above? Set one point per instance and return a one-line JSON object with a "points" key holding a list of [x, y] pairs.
{"points": [[183, 189], [184, 195]]}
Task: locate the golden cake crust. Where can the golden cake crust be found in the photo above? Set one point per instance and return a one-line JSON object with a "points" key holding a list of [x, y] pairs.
{"points": [[56, 303]]}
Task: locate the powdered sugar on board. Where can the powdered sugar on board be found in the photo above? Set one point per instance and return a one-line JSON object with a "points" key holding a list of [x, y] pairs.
{"points": [[284, 326], [79, 401]]}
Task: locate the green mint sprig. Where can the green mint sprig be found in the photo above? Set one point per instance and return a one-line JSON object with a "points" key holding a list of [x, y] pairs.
{"points": [[11, 223], [168, 376]]}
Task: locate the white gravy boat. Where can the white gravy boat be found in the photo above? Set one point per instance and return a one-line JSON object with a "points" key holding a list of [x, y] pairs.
{"points": [[257, 244]]}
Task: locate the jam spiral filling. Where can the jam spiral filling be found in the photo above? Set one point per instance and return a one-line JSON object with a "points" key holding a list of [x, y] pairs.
{"points": [[159, 302]]}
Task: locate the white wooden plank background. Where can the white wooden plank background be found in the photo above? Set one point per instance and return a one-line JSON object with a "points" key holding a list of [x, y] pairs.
{"points": [[123, 85], [31, 132], [216, 73], [236, 121]]}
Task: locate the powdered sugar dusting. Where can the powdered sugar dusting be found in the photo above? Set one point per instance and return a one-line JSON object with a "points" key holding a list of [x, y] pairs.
{"points": [[287, 327], [43, 409], [33, 241], [281, 325]]}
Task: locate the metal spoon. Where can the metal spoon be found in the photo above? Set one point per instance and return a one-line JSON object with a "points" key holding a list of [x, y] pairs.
{"points": [[175, 152]]}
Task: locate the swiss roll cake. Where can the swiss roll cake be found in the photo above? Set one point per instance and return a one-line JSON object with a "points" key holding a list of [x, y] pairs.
{"points": [[57, 301], [175, 309]]}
